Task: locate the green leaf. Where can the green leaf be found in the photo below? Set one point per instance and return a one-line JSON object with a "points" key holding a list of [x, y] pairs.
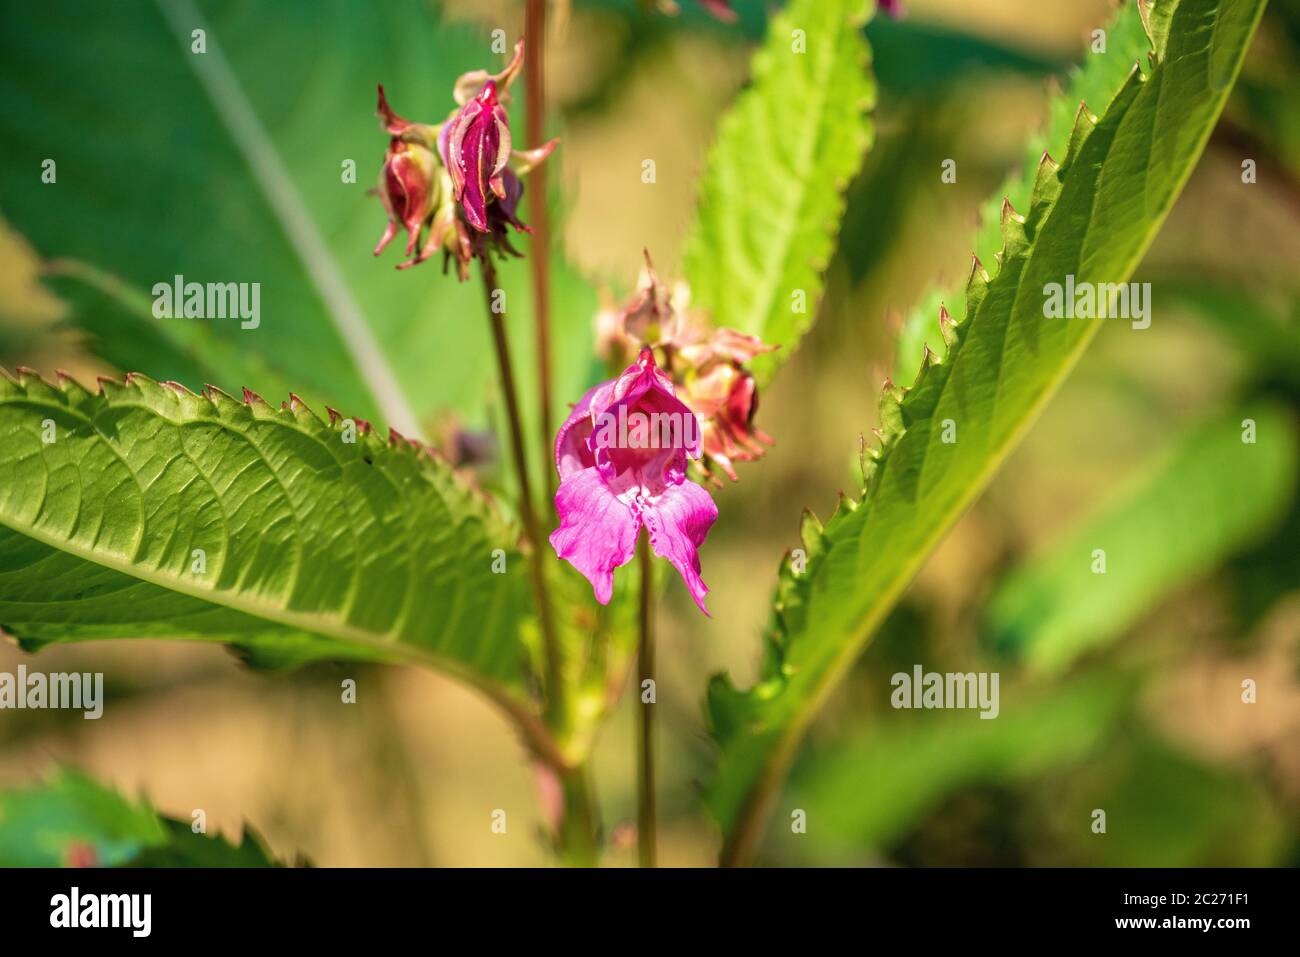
{"points": [[1093, 218], [227, 166], [866, 791], [773, 190], [1095, 83], [1156, 18], [148, 511], [73, 820], [1209, 497], [184, 848], [914, 56]]}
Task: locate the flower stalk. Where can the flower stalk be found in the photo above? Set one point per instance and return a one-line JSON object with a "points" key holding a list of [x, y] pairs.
{"points": [[555, 690], [645, 807], [577, 830], [579, 841], [539, 214], [455, 187]]}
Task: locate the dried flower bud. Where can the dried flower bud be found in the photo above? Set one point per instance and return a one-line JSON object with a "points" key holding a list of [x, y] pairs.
{"points": [[654, 315], [721, 10], [706, 365], [413, 185], [716, 385], [453, 179]]}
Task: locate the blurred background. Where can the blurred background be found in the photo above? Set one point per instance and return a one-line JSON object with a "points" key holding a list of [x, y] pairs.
{"points": [[1133, 704]]}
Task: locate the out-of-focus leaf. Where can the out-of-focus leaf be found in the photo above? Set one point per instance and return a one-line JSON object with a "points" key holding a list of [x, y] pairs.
{"points": [[1268, 340], [149, 511], [864, 792], [184, 848], [72, 820], [1211, 495], [912, 55], [1267, 99], [1163, 808], [773, 189], [1092, 218]]}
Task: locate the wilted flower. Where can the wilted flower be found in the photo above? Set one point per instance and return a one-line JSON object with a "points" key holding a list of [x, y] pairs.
{"points": [[413, 185], [80, 854], [708, 366], [724, 395], [462, 447], [653, 315], [453, 178], [621, 455]]}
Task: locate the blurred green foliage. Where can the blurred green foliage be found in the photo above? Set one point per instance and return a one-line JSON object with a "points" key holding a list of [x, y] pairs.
{"points": [[1211, 494], [73, 820]]}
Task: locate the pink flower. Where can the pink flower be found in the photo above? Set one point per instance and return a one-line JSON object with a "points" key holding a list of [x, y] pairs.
{"points": [[451, 181], [412, 184], [475, 145], [621, 456], [707, 365]]}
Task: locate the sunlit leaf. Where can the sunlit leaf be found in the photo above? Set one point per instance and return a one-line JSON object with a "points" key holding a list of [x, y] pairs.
{"points": [[149, 511], [773, 189], [1091, 217]]}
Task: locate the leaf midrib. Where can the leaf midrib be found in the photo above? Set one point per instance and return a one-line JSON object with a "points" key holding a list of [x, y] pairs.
{"points": [[782, 250]]}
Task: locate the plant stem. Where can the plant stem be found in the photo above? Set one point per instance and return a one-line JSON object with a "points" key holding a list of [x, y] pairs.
{"points": [[579, 830], [645, 660], [578, 838], [539, 220], [555, 691]]}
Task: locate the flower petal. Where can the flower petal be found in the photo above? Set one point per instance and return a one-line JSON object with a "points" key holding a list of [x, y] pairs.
{"points": [[643, 392], [678, 521], [474, 148], [507, 76], [392, 122], [503, 143], [571, 450], [525, 161], [597, 530]]}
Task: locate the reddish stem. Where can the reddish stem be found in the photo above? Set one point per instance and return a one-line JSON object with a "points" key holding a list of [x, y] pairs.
{"points": [[539, 219]]}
